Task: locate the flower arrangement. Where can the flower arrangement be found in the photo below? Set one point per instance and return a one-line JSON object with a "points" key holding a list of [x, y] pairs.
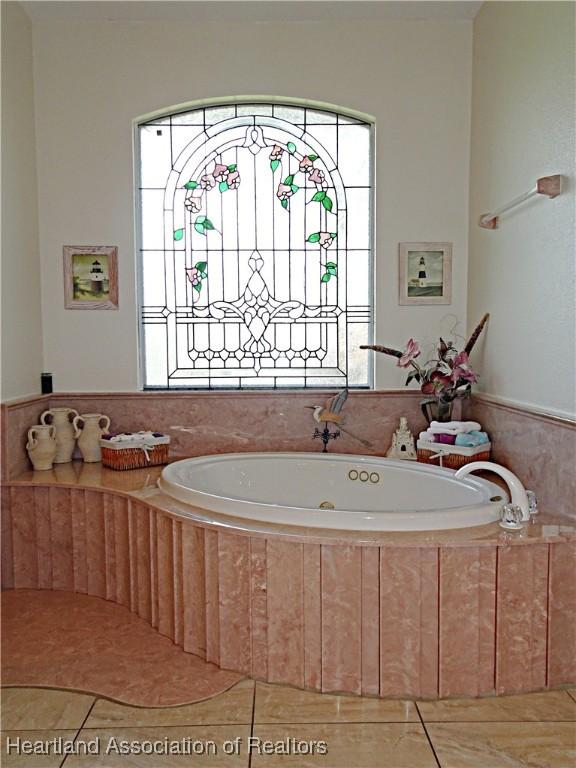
{"points": [[444, 378]]}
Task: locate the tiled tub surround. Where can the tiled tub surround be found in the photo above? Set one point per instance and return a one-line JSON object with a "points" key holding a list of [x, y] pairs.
{"points": [[453, 613]]}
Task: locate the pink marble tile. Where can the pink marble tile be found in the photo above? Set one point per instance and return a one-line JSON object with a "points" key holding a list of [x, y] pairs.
{"points": [[234, 602], [95, 543], [79, 547], [341, 618], [312, 617], [122, 551], [467, 621], [540, 449], [562, 615], [110, 546], [165, 576], [521, 603], [62, 640], [154, 611], [24, 547], [7, 559], [43, 537], [259, 608], [61, 538], [370, 621], [133, 555], [285, 612], [193, 590], [143, 567], [212, 597], [178, 585], [409, 622]]}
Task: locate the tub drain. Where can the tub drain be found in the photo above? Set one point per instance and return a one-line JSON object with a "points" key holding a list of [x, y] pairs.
{"points": [[326, 505]]}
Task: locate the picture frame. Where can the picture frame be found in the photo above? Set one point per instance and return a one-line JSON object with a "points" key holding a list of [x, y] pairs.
{"points": [[90, 276], [425, 273]]}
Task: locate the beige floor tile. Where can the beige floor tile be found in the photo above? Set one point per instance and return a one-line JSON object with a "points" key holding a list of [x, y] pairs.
{"points": [[112, 740], [277, 704], [41, 708], [349, 745], [233, 706], [552, 706], [572, 692], [14, 744], [502, 745]]}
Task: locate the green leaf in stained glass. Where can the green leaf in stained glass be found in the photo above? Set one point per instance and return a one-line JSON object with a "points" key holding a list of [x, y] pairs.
{"points": [[327, 203], [318, 197], [201, 266], [178, 234], [331, 270], [199, 228], [274, 164], [191, 185], [232, 168], [208, 224], [333, 234], [284, 203], [326, 277], [203, 275], [288, 180], [312, 157], [200, 219], [291, 147], [223, 186], [198, 287], [328, 264], [294, 188], [314, 237]]}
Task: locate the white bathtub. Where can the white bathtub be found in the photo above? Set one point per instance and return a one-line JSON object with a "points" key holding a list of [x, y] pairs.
{"points": [[360, 493]]}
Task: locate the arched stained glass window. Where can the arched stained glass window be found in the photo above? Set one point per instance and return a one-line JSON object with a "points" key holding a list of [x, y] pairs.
{"points": [[256, 260]]}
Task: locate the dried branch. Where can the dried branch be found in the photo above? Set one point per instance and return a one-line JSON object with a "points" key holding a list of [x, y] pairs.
{"points": [[477, 331], [384, 350]]}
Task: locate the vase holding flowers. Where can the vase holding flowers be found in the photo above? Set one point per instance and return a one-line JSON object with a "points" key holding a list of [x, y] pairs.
{"points": [[445, 379]]}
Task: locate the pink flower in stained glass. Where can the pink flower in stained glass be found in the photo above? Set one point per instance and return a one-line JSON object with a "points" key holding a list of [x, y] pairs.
{"points": [[193, 275], [193, 203], [276, 153], [233, 179], [412, 350], [306, 165], [317, 176], [326, 239], [208, 181], [284, 192], [462, 369], [220, 172]]}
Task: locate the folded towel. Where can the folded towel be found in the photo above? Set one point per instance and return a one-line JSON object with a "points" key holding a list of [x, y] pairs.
{"points": [[428, 437], [446, 439], [466, 440], [482, 436], [454, 427]]}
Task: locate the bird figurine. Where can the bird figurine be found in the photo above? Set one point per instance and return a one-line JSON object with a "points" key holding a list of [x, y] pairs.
{"points": [[331, 413]]}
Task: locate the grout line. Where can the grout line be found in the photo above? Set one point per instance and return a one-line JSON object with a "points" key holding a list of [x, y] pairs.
{"points": [[427, 735], [572, 695], [252, 724], [80, 729]]}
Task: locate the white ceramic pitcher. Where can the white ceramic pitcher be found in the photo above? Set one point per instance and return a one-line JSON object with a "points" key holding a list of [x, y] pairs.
{"points": [[41, 445], [88, 429], [65, 439]]}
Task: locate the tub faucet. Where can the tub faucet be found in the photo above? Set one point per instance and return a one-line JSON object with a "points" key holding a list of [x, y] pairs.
{"points": [[518, 494]]}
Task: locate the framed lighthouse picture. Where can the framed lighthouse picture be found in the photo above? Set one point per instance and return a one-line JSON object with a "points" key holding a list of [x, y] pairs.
{"points": [[90, 277], [425, 273]]}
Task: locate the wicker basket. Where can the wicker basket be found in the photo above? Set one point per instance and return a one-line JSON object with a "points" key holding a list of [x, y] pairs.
{"points": [[135, 454], [453, 456]]}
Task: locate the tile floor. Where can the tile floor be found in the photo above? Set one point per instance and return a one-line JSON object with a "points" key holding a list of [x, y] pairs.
{"points": [[535, 731]]}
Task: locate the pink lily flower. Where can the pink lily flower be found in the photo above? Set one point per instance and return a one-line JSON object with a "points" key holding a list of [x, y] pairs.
{"points": [[462, 369], [412, 350]]}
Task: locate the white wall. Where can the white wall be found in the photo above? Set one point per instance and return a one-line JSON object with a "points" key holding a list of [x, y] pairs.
{"points": [[523, 273], [20, 262], [93, 78]]}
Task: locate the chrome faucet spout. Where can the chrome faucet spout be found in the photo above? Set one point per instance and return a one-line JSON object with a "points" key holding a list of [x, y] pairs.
{"points": [[518, 494]]}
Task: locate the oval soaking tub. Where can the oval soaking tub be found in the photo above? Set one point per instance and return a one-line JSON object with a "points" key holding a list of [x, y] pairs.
{"points": [[346, 492]]}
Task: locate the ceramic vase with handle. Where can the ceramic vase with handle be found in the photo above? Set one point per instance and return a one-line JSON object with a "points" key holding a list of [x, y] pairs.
{"points": [[89, 428], [65, 439], [41, 445]]}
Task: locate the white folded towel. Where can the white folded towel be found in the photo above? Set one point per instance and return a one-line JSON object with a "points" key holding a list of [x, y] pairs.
{"points": [[453, 427]]}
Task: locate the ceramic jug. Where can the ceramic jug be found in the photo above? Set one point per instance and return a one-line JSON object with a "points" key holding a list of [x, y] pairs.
{"points": [[88, 429], [65, 440], [41, 445]]}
